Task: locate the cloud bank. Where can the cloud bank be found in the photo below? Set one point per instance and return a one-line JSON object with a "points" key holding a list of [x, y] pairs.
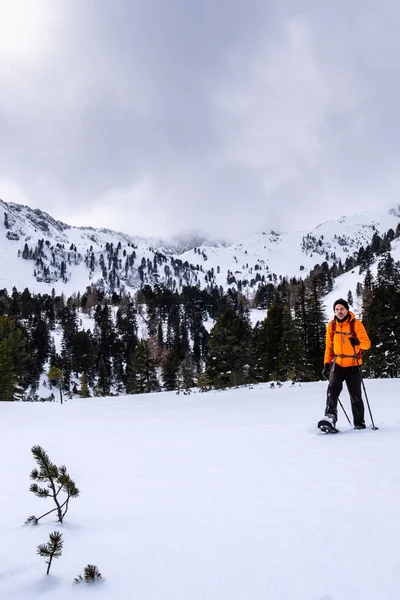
{"points": [[162, 118]]}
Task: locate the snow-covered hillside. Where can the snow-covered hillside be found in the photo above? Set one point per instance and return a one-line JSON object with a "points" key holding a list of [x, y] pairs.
{"points": [[230, 496], [41, 253], [348, 281]]}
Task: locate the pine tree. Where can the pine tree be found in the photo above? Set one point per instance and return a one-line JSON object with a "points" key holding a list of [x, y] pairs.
{"points": [[15, 303], [381, 319], [84, 391], [53, 548], [57, 480], [350, 300], [55, 376], [376, 243], [228, 350], [13, 360], [291, 356], [39, 345], [83, 354], [316, 329], [7, 373], [141, 371], [170, 367], [27, 305], [103, 383], [387, 270], [126, 329], [264, 296], [266, 341], [69, 323], [105, 340], [367, 291], [186, 374]]}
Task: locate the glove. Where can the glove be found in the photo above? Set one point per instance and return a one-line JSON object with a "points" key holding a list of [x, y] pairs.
{"points": [[326, 370], [354, 341]]}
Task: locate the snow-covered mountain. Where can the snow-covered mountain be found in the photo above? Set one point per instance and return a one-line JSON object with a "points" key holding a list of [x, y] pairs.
{"points": [[42, 253]]}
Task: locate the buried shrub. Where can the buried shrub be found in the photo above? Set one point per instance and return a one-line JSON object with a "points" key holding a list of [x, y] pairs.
{"points": [[90, 574]]}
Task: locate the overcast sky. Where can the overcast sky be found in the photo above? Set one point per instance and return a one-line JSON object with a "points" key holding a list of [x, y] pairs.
{"points": [[159, 117]]}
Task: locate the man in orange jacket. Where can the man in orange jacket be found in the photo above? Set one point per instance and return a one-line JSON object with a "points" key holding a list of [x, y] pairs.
{"points": [[345, 338]]}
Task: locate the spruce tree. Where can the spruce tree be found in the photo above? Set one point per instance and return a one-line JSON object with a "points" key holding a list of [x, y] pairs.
{"points": [[103, 383], [350, 299], [141, 371], [170, 367], [105, 340], [228, 350], [39, 344], [13, 360], [126, 330], [15, 303], [7, 373], [267, 340], [186, 374], [367, 292], [291, 358], [316, 329], [84, 391], [84, 355], [380, 317]]}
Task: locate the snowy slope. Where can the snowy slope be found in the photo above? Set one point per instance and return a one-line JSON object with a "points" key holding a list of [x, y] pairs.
{"points": [[183, 262], [226, 496], [348, 281], [285, 254]]}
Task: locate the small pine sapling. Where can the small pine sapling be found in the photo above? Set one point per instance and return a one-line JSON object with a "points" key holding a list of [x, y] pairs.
{"points": [[90, 574], [57, 479], [84, 391], [53, 548], [55, 376]]}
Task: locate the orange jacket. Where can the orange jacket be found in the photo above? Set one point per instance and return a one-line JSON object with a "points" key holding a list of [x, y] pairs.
{"points": [[338, 345]]}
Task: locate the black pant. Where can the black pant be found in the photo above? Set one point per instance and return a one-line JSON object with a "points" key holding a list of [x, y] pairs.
{"points": [[352, 377]]}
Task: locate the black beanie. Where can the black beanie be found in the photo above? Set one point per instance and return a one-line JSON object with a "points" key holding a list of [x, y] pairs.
{"points": [[342, 302]]}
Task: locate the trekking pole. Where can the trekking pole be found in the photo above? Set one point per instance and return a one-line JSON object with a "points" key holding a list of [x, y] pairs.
{"points": [[347, 417], [365, 391]]}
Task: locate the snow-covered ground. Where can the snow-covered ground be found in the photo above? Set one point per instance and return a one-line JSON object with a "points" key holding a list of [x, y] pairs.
{"points": [[218, 496]]}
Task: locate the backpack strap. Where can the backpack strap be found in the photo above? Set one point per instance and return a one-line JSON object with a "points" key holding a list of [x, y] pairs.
{"points": [[352, 327]]}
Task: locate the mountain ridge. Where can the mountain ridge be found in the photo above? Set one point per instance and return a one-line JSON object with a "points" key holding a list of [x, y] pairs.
{"points": [[42, 253]]}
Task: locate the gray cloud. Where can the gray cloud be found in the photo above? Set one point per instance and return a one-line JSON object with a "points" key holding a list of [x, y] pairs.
{"points": [[157, 118]]}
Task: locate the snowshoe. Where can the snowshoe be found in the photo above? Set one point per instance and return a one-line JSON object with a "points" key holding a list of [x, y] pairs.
{"points": [[327, 425]]}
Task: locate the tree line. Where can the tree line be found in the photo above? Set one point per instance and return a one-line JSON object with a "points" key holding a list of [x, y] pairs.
{"points": [[161, 339]]}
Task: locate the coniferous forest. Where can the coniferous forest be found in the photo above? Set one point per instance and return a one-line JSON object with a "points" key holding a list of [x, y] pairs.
{"points": [[159, 338]]}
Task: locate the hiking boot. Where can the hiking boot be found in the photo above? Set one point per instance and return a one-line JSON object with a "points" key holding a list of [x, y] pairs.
{"points": [[332, 419], [328, 424], [362, 426]]}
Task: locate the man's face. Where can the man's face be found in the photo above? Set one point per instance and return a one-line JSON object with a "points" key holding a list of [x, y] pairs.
{"points": [[340, 311]]}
